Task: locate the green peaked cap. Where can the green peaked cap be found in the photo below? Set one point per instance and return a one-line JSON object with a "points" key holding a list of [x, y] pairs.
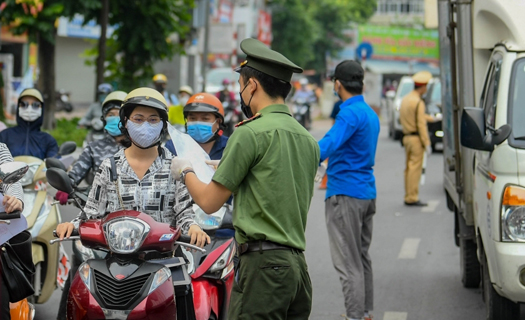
{"points": [[267, 61]]}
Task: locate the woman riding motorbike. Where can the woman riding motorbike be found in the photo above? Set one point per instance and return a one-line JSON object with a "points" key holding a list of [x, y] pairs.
{"points": [[204, 116], [144, 179], [26, 139], [90, 160], [13, 201]]}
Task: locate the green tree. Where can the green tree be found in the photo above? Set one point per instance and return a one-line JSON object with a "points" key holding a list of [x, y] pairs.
{"points": [[307, 31], [292, 29], [37, 19], [142, 36]]}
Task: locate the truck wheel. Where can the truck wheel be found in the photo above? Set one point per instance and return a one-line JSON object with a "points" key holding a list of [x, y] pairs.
{"points": [[497, 307], [469, 264]]}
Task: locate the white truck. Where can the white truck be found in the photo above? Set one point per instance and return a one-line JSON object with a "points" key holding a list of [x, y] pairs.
{"points": [[482, 49]]}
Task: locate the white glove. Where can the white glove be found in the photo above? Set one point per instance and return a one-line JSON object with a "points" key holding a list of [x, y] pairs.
{"points": [[321, 171], [178, 165], [438, 117], [429, 150]]}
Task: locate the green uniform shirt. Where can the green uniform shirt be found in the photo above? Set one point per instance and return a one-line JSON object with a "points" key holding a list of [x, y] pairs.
{"points": [[269, 164]]}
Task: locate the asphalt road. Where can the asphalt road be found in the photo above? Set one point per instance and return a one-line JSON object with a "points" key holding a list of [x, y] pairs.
{"points": [[415, 261]]}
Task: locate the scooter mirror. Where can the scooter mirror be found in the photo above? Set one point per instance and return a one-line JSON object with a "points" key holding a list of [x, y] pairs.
{"points": [[11, 172], [54, 163], [67, 148], [59, 180]]}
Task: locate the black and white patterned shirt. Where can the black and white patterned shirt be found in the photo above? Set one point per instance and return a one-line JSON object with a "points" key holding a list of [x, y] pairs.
{"points": [[158, 194], [92, 156], [14, 189]]}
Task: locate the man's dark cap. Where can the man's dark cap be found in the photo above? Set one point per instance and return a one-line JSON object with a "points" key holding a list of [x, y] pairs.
{"points": [[349, 70], [266, 60]]}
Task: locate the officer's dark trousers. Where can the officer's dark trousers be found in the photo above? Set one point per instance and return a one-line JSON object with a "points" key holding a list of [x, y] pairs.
{"points": [[271, 285]]}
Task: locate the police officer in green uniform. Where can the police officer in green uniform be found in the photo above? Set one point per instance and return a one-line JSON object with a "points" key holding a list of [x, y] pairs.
{"points": [[269, 165]]}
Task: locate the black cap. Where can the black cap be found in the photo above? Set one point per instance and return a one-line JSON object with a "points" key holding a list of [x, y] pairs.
{"points": [[349, 70], [267, 61]]}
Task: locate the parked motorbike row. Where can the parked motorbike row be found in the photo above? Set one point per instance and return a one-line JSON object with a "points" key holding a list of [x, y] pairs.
{"points": [[127, 268]]}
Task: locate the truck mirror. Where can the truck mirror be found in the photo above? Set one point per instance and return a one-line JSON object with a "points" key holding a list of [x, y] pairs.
{"points": [[474, 134], [501, 134], [473, 131]]}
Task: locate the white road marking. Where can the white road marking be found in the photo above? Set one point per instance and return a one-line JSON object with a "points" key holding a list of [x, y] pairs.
{"points": [[395, 316], [431, 207], [409, 248]]}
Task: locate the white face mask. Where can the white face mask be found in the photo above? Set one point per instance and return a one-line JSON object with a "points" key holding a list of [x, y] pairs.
{"points": [[144, 135], [29, 114], [183, 100]]}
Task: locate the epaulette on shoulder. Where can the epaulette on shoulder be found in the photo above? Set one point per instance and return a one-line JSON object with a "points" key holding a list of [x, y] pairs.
{"points": [[255, 117]]}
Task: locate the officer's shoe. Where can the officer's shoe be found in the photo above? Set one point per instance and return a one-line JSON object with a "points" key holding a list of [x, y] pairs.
{"points": [[416, 204]]}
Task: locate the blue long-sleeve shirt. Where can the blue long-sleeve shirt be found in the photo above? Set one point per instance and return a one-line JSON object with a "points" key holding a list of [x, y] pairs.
{"points": [[351, 146]]}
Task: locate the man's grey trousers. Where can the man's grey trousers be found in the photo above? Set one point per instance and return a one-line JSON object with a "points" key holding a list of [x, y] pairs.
{"points": [[349, 224]]}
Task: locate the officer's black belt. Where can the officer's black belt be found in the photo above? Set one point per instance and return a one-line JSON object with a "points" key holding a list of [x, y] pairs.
{"points": [[411, 134], [261, 246]]}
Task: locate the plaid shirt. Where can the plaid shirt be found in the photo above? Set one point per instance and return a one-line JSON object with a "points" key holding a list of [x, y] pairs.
{"points": [[92, 156], [158, 194]]}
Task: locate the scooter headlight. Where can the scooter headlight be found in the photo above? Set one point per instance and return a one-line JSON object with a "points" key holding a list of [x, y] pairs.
{"points": [[222, 262], [84, 271], [161, 276], [125, 235]]}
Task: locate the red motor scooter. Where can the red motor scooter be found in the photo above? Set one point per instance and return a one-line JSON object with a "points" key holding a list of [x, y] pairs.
{"points": [[139, 277], [212, 273]]}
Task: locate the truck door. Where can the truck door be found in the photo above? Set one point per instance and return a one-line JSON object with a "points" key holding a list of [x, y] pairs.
{"points": [[483, 177]]}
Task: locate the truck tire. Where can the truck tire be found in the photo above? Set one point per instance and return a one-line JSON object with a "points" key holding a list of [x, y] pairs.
{"points": [[469, 264], [496, 306]]}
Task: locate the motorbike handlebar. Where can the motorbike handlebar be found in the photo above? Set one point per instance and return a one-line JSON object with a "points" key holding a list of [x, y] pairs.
{"points": [[73, 234], [184, 240], [10, 216]]}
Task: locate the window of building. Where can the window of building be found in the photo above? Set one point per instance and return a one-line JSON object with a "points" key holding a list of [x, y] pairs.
{"points": [[395, 7]]}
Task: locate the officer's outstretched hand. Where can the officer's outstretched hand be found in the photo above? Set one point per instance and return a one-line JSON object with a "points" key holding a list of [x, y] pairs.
{"points": [[321, 171], [178, 165], [429, 150]]}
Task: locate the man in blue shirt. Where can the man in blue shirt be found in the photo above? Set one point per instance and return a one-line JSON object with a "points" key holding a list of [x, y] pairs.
{"points": [[350, 197]]}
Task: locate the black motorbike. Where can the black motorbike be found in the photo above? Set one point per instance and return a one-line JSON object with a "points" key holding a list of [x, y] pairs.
{"points": [[301, 112], [232, 116], [63, 103]]}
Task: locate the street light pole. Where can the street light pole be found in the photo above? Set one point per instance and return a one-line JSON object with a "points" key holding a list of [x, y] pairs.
{"points": [[206, 44]]}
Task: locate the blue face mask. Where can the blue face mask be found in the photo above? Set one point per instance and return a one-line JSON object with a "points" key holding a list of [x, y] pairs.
{"points": [[112, 126], [200, 131]]}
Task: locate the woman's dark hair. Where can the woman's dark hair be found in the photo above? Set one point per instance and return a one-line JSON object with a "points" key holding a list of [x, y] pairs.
{"points": [[274, 88]]}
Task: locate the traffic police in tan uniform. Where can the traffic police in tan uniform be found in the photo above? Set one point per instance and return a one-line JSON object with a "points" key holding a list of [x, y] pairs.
{"points": [[415, 136], [269, 164]]}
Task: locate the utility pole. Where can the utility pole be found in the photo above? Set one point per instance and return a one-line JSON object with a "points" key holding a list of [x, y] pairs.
{"points": [[206, 44], [104, 13]]}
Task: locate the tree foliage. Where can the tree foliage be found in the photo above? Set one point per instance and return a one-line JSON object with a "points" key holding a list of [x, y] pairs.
{"points": [[307, 31], [36, 18], [142, 35]]}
